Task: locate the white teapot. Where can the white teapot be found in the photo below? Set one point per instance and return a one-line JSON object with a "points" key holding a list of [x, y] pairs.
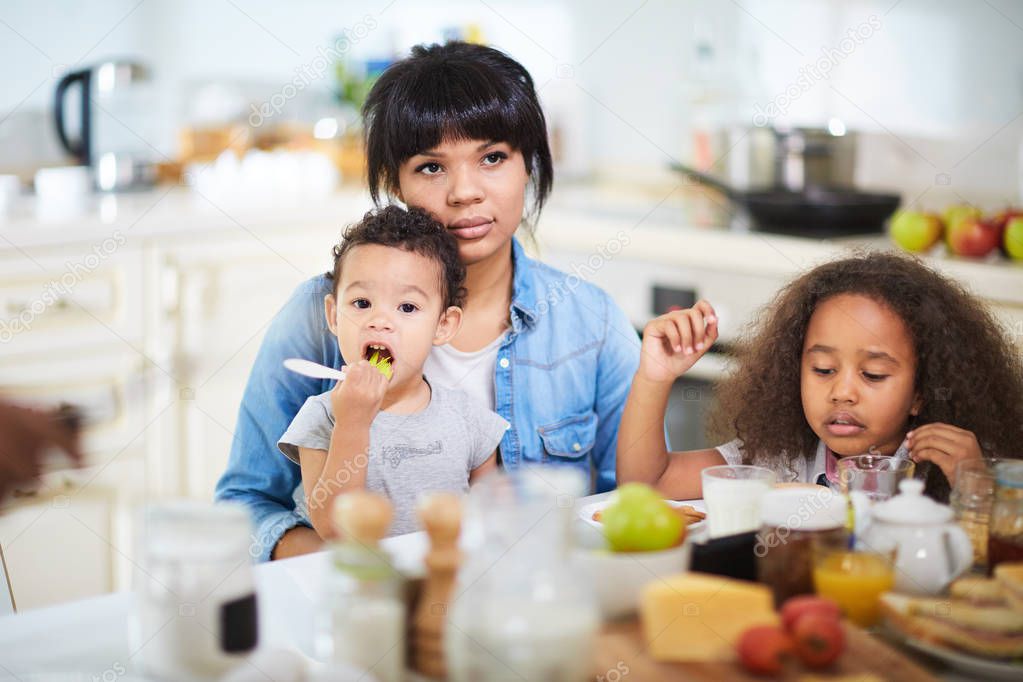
{"points": [[931, 549]]}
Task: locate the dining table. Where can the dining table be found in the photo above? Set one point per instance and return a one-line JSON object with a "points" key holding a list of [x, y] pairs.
{"points": [[93, 639]]}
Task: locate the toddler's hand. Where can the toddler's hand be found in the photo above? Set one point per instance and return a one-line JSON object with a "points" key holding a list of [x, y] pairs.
{"points": [[672, 343], [358, 397], [943, 444]]}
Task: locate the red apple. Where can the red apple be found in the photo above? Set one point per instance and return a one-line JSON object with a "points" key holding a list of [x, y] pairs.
{"points": [[819, 640], [974, 237], [763, 649]]}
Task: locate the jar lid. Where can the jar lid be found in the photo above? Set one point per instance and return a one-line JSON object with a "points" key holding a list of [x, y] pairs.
{"points": [[912, 506], [1009, 474], [804, 508]]}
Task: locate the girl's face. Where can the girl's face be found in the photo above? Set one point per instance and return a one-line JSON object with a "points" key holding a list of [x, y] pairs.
{"points": [[477, 188], [857, 376]]}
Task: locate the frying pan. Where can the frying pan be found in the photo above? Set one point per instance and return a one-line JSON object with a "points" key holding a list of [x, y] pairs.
{"points": [[812, 212]]}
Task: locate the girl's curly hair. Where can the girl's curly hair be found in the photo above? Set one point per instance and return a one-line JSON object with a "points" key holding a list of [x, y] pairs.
{"points": [[968, 373]]}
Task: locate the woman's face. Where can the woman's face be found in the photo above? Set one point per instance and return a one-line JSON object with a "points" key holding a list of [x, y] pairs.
{"points": [[857, 376], [477, 188]]}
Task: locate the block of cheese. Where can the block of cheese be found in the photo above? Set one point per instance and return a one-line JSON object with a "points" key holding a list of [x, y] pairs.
{"points": [[699, 617]]}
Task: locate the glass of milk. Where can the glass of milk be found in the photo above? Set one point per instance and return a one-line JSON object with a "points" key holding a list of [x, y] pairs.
{"points": [[733, 494]]}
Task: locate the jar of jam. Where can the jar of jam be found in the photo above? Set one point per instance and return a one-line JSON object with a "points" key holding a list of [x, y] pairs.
{"points": [[796, 521], [1005, 539]]}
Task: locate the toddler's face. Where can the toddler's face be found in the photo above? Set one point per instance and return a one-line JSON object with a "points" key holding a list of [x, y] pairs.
{"points": [[857, 376], [389, 301], [476, 188]]}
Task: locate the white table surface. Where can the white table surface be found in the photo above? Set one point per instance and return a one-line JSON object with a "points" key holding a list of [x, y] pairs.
{"points": [[90, 639]]}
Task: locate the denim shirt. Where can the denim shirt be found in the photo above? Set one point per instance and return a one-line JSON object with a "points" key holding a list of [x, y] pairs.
{"points": [[561, 379]]}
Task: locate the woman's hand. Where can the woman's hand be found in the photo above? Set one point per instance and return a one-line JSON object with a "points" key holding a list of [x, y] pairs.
{"points": [[357, 399], [672, 343], [945, 445]]}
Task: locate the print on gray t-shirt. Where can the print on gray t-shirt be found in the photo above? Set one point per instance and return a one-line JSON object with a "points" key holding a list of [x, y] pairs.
{"points": [[434, 449]]}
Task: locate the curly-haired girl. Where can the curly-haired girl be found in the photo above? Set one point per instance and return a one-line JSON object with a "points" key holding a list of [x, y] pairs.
{"points": [[864, 354]]}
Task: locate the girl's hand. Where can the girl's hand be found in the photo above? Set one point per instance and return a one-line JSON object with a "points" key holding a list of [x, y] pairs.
{"points": [[943, 444], [672, 343], [357, 399]]}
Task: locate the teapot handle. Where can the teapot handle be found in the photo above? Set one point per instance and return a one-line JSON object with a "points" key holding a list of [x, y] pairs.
{"points": [[960, 549]]}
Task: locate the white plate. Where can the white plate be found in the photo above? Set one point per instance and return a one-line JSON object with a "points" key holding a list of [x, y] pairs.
{"points": [[983, 668], [586, 513]]}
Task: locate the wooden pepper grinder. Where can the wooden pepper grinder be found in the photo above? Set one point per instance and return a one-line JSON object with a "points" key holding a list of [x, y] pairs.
{"points": [[441, 514]]}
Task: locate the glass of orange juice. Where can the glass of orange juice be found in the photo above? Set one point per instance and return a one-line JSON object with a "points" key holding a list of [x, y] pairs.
{"points": [[855, 579]]}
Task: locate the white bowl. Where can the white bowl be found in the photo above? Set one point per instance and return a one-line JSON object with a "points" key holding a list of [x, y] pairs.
{"points": [[619, 577]]}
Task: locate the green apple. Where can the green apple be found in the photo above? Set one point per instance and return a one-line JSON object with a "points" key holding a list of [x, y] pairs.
{"points": [[916, 231], [1013, 238], [639, 520]]}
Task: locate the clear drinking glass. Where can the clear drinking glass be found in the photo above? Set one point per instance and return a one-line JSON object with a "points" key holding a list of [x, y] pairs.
{"points": [[869, 479], [733, 494]]}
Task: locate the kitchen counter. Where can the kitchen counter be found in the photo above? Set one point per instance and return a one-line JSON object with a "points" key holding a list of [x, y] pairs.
{"points": [[666, 227]]}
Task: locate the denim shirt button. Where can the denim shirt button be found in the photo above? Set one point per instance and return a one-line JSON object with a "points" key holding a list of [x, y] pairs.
{"points": [[504, 363], [577, 447]]}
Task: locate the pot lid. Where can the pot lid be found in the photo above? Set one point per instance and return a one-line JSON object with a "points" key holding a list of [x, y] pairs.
{"points": [[911, 506]]}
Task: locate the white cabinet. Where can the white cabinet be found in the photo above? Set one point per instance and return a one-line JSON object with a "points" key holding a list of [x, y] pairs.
{"points": [[228, 292]]}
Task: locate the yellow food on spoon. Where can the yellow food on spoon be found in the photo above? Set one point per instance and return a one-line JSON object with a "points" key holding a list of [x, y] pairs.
{"points": [[383, 365]]}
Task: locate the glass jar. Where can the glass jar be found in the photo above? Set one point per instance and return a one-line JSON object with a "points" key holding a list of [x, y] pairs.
{"points": [[366, 619], [1005, 538], [520, 611], [794, 520], [971, 499], [196, 615]]}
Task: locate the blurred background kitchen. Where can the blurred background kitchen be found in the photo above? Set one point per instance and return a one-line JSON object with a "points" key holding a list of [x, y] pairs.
{"points": [[150, 230]]}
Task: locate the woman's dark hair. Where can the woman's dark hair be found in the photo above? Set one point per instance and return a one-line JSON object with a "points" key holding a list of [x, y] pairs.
{"points": [[410, 230], [968, 374], [457, 91]]}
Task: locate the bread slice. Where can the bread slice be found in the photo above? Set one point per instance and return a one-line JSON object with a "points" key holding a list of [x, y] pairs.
{"points": [[978, 591], [922, 619], [1010, 578]]}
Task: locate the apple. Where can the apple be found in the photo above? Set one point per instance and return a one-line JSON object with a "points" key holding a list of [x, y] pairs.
{"points": [[1012, 239], [957, 213], [763, 649], [916, 231], [974, 237], [1001, 221], [797, 607], [819, 640], [639, 520]]}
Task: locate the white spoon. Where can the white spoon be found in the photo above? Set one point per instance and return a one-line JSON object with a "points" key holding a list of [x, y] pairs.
{"points": [[313, 369]]}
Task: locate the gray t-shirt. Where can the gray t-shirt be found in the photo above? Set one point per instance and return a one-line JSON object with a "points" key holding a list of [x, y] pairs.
{"points": [[409, 454]]}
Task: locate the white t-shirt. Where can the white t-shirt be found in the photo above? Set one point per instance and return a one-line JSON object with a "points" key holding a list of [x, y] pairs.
{"points": [[471, 372]]}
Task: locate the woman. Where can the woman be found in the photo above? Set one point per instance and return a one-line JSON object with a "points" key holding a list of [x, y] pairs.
{"points": [[456, 130]]}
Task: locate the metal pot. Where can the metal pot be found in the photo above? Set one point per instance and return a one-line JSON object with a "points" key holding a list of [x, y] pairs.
{"points": [[792, 159]]}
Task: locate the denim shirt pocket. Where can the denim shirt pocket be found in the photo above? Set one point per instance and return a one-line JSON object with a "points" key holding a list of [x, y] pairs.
{"points": [[570, 439]]}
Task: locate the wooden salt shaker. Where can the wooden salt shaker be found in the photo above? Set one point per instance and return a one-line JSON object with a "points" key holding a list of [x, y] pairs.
{"points": [[441, 514], [363, 517]]}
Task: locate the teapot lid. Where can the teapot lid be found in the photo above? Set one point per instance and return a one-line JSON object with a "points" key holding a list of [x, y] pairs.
{"points": [[912, 506]]}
